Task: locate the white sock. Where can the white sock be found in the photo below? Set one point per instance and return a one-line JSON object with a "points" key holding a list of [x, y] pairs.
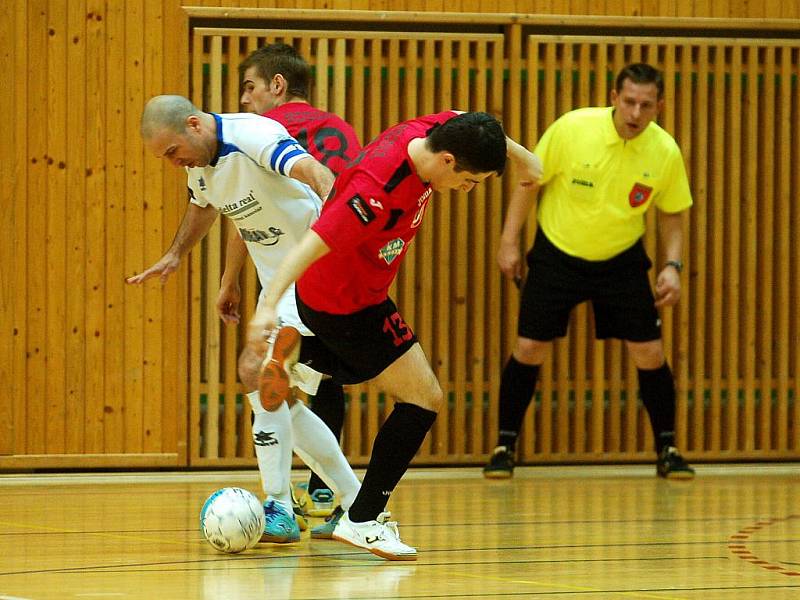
{"points": [[318, 448], [273, 439]]}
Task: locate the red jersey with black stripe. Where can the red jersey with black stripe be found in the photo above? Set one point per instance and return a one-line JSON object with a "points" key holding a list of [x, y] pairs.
{"points": [[326, 136], [368, 222]]}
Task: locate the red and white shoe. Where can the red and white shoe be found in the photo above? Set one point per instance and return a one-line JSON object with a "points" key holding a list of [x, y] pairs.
{"points": [[283, 349]]}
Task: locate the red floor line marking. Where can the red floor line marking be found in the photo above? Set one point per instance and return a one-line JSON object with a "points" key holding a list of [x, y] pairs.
{"points": [[741, 550]]}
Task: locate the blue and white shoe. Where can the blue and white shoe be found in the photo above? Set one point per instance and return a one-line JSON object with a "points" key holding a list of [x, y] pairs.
{"points": [[280, 526], [325, 531]]}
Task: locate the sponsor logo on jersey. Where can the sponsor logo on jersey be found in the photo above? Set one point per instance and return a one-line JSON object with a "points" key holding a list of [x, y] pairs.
{"points": [[234, 208], [583, 182], [361, 209], [639, 194], [422, 203], [391, 250], [265, 238]]}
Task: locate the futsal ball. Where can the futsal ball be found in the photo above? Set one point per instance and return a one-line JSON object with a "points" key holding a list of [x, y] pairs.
{"points": [[232, 520]]}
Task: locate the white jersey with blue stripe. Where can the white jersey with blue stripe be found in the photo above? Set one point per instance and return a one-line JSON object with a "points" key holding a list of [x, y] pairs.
{"points": [[248, 182]]}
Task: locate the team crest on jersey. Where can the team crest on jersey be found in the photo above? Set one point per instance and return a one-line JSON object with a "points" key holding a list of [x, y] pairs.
{"points": [[392, 250], [639, 194], [361, 209], [202, 183]]}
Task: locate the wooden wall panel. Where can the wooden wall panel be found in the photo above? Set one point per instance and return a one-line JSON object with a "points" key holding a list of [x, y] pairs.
{"points": [[735, 231], [101, 373], [9, 170], [447, 303], [779, 9], [88, 356]]}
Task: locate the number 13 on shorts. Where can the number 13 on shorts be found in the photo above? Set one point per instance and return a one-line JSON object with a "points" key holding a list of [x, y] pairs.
{"points": [[397, 328]]}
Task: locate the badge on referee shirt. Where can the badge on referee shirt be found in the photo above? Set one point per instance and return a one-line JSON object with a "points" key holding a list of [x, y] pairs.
{"points": [[639, 194]]}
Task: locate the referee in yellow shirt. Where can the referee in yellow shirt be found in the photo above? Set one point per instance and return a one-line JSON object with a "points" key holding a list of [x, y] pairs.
{"points": [[603, 168]]}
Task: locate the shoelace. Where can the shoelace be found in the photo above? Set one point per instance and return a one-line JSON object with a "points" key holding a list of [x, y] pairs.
{"points": [[270, 339], [383, 519], [273, 514]]}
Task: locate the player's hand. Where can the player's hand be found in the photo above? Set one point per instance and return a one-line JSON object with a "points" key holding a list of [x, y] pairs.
{"points": [[228, 303], [509, 260], [668, 287], [162, 269], [259, 328]]}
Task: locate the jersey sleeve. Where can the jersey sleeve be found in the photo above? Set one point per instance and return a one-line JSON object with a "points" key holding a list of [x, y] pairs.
{"points": [[269, 144], [357, 211], [676, 196], [196, 195]]}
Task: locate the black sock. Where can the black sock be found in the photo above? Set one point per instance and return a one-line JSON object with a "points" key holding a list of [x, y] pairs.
{"points": [[657, 389], [328, 405], [395, 445], [516, 392]]}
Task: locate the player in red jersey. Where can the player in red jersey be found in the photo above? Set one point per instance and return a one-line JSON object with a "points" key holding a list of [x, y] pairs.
{"points": [[276, 82], [344, 266]]}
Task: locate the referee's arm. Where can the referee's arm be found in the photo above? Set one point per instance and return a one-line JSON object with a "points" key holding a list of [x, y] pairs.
{"points": [[668, 281]]}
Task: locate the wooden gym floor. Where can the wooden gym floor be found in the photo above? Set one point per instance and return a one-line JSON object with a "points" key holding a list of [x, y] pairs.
{"points": [[551, 532]]}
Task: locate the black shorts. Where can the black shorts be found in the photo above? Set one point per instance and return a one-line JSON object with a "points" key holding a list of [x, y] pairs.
{"points": [[355, 347], [618, 289]]}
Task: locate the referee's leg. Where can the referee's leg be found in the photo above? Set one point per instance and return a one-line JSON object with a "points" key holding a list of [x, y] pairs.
{"points": [[517, 386], [657, 389]]}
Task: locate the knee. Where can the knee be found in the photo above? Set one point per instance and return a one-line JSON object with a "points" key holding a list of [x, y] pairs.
{"points": [[531, 352], [648, 355], [433, 397], [248, 367]]}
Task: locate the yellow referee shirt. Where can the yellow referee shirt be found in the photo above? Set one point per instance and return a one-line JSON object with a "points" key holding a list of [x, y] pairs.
{"points": [[597, 186]]}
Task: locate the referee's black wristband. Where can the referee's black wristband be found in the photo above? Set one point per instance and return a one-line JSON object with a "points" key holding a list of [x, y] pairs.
{"points": [[674, 263]]}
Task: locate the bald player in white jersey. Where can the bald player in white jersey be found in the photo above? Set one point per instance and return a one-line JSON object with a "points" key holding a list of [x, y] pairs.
{"points": [[251, 170]]}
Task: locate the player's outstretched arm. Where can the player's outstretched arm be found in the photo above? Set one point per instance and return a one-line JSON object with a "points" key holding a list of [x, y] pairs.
{"points": [[529, 164], [316, 175], [310, 248], [509, 257], [196, 223]]}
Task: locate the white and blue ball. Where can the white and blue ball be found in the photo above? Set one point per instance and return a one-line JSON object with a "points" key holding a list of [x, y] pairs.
{"points": [[232, 520]]}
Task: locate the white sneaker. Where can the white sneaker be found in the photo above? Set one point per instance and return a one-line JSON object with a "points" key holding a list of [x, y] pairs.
{"points": [[380, 537]]}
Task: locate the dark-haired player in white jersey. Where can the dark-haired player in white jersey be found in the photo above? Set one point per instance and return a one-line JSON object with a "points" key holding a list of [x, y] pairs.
{"points": [[344, 266]]}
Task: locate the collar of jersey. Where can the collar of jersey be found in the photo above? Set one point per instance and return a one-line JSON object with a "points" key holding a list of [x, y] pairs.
{"points": [[611, 137], [220, 143]]}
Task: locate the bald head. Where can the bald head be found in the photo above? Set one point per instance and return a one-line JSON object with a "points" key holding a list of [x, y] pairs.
{"points": [[175, 129], [166, 113]]}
